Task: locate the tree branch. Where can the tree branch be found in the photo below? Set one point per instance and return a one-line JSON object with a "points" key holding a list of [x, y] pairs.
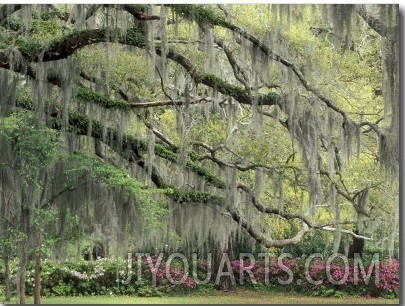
{"points": [[202, 15], [239, 94], [373, 22], [332, 229], [52, 199], [212, 156], [275, 211], [167, 102], [238, 72], [263, 240], [77, 40]]}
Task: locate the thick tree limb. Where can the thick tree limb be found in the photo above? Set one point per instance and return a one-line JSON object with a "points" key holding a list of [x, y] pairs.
{"points": [[269, 210], [160, 135], [373, 22], [239, 94], [372, 126], [168, 102], [343, 193], [68, 45], [263, 240], [72, 42]]}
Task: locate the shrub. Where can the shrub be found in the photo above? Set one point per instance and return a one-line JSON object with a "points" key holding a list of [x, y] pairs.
{"points": [[322, 278], [99, 277]]}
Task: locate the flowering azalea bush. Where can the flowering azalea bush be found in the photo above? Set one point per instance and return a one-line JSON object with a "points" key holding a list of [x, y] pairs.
{"points": [[321, 278], [157, 276]]}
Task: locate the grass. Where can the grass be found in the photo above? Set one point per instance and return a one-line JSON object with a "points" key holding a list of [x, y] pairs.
{"points": [[239, 296]]}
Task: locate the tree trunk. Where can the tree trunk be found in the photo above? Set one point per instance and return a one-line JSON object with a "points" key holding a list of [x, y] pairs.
{"points": [[357, 246], [6, 241], [23, 251], [21, 274], [225, 282], [37, 292], [7, 277]]}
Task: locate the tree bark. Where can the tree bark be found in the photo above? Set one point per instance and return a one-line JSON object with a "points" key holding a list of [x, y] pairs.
{"points": [[21, 273], [6, 247], [37, 289], [23, 248], [356, 247], [225, 282], [7, 277]]}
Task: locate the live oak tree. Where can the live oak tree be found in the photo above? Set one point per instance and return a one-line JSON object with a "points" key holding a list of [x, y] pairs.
{"points": [[190, 127]]}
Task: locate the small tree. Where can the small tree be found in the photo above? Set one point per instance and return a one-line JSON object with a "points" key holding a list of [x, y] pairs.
{"points": [[31, 149]]}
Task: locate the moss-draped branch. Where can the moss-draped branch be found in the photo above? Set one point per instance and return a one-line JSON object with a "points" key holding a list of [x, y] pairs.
{"points": [[66, 46]]}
